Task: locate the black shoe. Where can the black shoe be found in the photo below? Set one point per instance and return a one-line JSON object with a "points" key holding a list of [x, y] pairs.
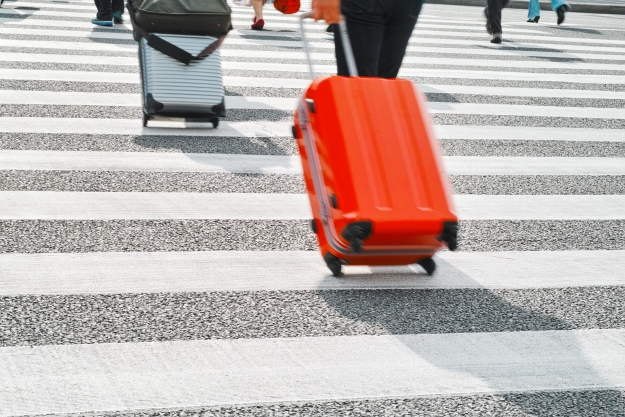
{"points": [[560, 12], [117, 18], [496, 38], [536, 19]]}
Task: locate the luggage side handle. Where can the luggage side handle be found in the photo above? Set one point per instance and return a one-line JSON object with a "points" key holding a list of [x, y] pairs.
{"points": [[347, 46]]}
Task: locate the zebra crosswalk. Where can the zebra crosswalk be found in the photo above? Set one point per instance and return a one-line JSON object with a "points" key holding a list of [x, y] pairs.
{"points": [[170, 270]]}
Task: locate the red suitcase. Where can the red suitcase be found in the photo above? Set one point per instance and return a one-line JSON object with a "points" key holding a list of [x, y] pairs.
{"points": [[373, 171]]}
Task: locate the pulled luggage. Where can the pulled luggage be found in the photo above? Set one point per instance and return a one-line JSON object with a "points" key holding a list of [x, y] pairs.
{"points": [[373, 171], [172, 89], [181, 73]]}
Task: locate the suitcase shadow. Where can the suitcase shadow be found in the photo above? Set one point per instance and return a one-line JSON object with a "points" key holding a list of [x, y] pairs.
{"points": [[473, 317], [218, 144]]}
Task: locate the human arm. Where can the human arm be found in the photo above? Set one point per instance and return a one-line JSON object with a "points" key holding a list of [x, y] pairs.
{"points": [[328, 10]]}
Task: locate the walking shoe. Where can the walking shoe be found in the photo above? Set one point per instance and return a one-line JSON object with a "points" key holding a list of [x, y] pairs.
{"points": [[100, 22], [496, 38], [534, 20], [560, 12], [258, 24], [117, 17]]}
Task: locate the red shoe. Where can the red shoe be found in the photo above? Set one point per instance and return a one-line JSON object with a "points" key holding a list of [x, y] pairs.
{"points": [[258, 24]]}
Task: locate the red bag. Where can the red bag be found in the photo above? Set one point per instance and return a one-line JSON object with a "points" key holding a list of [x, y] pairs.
{"points": [[287, 6]]}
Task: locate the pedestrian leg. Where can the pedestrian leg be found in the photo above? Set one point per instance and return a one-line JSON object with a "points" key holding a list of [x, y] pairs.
{"points": [[258, 22], [533, 11], [560, 7], [104, 16], [117, 7], [493, 19], [399, 28], [365, 21]]}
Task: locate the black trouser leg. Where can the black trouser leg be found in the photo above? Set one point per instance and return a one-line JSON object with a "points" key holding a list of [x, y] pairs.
{"points": [[365, 25], [118, 6], [399, 29], [379, 31], [104, 9], [493, 15]]}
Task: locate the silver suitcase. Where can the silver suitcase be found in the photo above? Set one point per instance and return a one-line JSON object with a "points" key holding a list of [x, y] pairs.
{"points": [[173, 90]]}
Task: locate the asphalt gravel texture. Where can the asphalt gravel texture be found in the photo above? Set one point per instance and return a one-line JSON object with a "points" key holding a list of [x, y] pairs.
{"points": [[67, 236], [582, 403], [287, 146], [218, 182], [131, 113], [178, 182], [125, 318], [540, 147], [149, 143]]}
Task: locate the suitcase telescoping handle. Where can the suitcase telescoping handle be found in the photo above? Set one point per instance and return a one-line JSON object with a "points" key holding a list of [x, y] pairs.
{"points": [[347, 45]]}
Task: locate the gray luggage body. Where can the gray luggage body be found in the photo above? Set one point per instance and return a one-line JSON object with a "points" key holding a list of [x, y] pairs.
{"points": [[172, 89]]}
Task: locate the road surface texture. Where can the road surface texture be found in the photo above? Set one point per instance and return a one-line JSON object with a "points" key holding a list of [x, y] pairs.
{"points": [[170, 270]]}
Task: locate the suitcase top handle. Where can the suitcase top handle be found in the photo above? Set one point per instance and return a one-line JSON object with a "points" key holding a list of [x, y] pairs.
{"points": [[347, 45]]}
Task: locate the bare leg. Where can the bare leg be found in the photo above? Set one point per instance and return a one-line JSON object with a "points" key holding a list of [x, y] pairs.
{"points": [[258, 8]]}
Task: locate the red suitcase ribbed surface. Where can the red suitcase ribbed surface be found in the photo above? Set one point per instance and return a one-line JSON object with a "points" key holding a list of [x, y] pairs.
{"points": [[371, 161]]}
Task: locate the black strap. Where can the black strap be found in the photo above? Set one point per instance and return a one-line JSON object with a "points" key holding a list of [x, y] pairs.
{"points": [[169, 48]]}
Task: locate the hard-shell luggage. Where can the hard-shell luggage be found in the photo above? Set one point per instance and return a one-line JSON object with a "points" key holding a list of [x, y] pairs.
{"points": [[373, 171], [181, 17], [172, 89]]}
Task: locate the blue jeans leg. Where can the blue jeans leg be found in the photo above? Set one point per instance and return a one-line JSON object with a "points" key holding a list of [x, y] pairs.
{"points": [[534, 9], [555, 5]]}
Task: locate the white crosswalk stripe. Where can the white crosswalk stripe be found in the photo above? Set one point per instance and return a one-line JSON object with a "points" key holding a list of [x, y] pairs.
{"points": [[170, 268]]}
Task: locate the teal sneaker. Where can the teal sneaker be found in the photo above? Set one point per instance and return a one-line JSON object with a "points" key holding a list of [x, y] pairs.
{"points": [[117, 17], [102, 22]]}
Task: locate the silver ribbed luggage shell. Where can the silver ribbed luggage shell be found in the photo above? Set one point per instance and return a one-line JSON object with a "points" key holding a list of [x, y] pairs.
{"points": [[192, 89]]}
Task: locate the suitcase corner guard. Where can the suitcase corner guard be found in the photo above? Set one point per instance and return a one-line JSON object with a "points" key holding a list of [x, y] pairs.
{"points": [[356, 232], [449, 234]]}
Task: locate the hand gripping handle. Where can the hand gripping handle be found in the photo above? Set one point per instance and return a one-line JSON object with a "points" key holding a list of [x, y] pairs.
{"points": [[347, 46]]}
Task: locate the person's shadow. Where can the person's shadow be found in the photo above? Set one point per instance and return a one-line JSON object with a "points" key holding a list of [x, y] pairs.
{"points": [[482, 330]]}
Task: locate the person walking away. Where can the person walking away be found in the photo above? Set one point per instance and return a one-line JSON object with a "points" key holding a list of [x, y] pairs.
{"points": [[109, 11], [559, 6], [379, 31], [493, 19]]}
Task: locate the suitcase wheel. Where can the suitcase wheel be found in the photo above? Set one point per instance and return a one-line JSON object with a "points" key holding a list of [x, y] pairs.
{"points": [[145, 119], [450, 235], [428, 264], [334, 264], [215, 123]]}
